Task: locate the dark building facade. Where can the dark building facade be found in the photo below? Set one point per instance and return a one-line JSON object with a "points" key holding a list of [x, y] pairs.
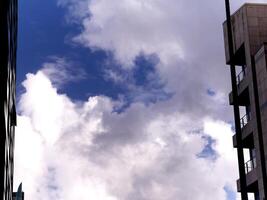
{"points": [[19, 195], [8, 44], [246, 54]]}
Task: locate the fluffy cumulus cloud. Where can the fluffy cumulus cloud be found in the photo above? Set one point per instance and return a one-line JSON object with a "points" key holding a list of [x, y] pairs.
{"points": [[183, 37], [85, 150], [186, 36], [176, 148]]}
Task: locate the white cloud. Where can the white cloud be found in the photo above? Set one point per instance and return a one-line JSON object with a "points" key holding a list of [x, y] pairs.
{"points": [[182, 34], [60, 71], [186, 36], [129, 28], [66, 150]]}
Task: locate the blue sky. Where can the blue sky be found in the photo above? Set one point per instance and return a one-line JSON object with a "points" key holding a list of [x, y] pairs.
{"points": [[43, 33], [123, 100]]}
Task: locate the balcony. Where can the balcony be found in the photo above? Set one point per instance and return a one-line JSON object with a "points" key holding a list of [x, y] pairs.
{"points": [[241, 76], [251, 196], [251, 180], [247, 132], [251, 174], [242, 87], [250, 165], [244, 120], [242, 91]]}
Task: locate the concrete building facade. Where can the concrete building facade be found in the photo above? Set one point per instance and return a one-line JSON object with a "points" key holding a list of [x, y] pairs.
{"points": [[246, 53], [8, 44]]}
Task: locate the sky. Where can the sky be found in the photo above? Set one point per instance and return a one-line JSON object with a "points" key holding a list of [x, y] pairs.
{"points": [[124, 100]]}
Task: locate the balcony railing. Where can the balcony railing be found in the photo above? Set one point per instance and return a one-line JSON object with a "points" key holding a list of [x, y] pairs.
{"points": [[241, 75], [249, 197], [250, 165], [244, 120]]}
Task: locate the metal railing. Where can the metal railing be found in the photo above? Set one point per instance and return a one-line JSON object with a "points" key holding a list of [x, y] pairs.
{"points": [[244, 120], [250, 165], [241, 75], [249, 198]]}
